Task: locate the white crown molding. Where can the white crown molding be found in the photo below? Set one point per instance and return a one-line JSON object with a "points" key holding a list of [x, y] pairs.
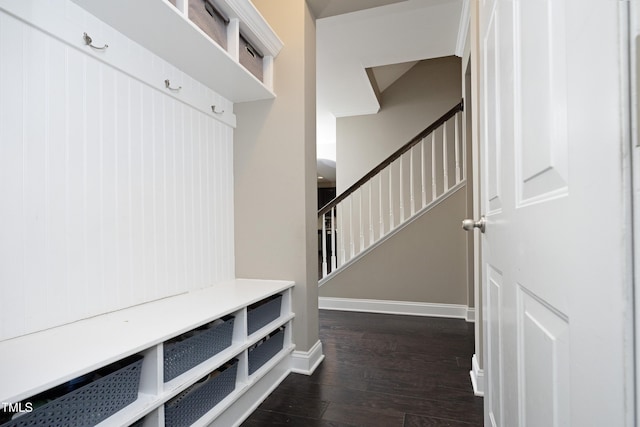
{"points": [[455, 311], [253, 26], [463, 27], [477, 377], [306, 362]]}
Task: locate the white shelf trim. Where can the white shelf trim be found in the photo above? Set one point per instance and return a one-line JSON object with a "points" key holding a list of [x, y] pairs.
{"points": [[246, 403], [136, 410], [243, 388], [265, 330]]}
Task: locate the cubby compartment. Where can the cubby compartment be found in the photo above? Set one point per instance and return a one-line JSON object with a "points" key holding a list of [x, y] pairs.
{"points": [[209, 19], [194, 347], [251, 58], [84, 401], [263, 312], [201, 397], [265, 349]]}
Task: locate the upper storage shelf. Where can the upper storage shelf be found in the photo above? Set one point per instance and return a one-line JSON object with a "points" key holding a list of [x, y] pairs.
{"points": [[167, 31]]}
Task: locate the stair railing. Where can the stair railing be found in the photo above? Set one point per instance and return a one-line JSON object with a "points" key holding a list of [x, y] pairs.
{"points": [[413, 178]]}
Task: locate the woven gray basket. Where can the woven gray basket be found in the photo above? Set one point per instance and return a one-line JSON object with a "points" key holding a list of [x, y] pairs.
{"points": [[91, 403], [263, 312], [202, 344], [197, 400], [262, 353]]}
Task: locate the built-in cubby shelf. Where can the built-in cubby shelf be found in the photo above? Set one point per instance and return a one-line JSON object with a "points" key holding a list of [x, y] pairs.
{"points": [[114, 69], [167, 31], [79, 348]]}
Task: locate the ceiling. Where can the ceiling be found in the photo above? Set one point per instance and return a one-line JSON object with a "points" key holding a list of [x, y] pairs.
{"points": [[326, 8], [386, 36]]}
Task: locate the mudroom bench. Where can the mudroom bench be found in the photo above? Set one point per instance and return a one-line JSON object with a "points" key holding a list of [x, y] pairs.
{"points": [[227, 346]]}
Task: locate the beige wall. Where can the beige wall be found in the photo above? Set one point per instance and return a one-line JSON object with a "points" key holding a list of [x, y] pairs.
{"points": [[429, 260], [423, 262], [274, 171], [424, 93]]}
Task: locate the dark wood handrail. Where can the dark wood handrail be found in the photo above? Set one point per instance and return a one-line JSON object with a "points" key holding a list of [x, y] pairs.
{"points": [[406, 147]]}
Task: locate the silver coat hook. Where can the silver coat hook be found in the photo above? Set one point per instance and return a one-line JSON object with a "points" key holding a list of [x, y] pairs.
{"points": [[167, 84], [213, 109], [88, 40]]}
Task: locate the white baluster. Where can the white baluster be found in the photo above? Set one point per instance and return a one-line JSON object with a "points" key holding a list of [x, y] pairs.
{"points": [[343, 254], [445, 165], [401, 185], [361, 223], [333, 239], [423, 176], [463, 147], [380, 204], [371, 236], [324, 245], [352, 247], [434, 189], [412, 200], [391, 224], [401, 188], [457, 149]]}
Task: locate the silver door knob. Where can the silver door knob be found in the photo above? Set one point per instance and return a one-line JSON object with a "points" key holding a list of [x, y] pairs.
{"points": [[469, 224]]}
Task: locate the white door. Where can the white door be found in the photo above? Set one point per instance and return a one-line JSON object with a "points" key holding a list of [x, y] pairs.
{"points": [[556, 276]]}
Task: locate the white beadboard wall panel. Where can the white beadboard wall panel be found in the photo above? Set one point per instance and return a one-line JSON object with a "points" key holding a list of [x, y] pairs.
{"points": [[11, 177], [75, 116], [136, 188], [92, 189], [122, 147], [227, 200], [34, 47], [114, 191], [56, 224]]}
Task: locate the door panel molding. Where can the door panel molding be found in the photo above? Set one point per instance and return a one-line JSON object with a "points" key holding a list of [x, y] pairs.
{"points": [[543, 362], [491, 117], [494, 344], [540, 101]]}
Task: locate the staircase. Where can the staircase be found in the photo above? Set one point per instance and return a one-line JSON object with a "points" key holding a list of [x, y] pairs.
{"points": [[410, 182]]}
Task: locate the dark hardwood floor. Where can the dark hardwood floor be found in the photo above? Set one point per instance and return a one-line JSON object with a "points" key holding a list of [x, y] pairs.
{"points": [[381, 370]]}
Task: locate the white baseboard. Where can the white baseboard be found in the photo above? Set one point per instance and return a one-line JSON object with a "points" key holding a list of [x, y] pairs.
{"points": [[305, 362], [477, 377], [471, 314], [456, 311]]}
